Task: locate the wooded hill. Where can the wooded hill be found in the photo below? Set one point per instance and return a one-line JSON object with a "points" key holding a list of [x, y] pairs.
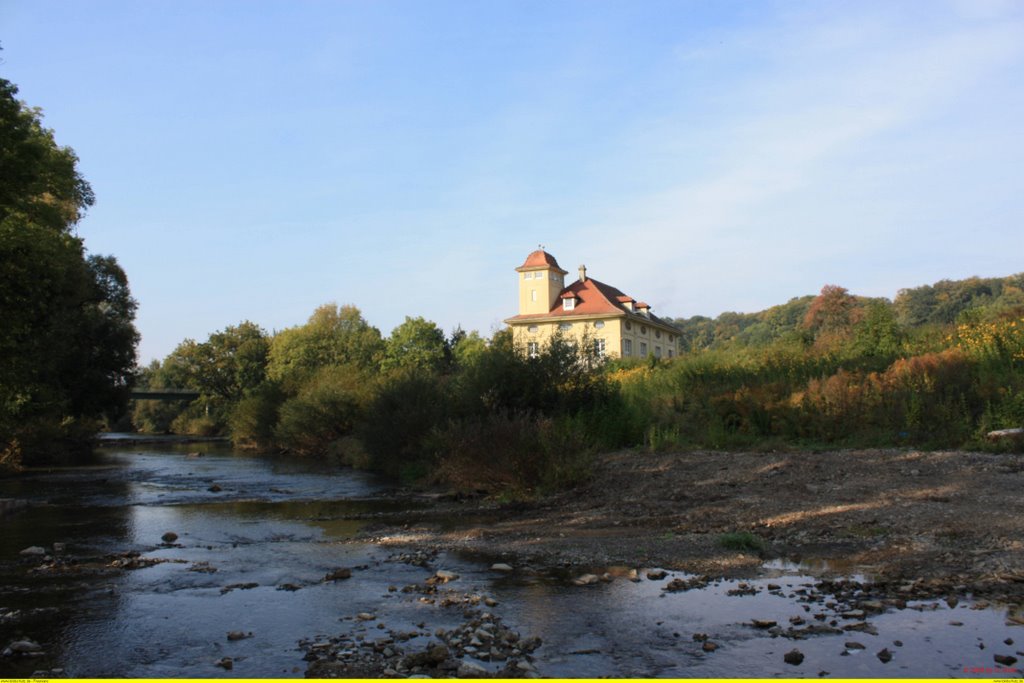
{"points": [[946, 302]]}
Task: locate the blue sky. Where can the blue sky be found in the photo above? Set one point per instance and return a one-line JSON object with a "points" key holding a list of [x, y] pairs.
{"points": [[253, 160]]}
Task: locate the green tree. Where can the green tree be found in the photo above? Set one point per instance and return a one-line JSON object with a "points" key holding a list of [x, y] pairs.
{"points": [[416, 343], [39, 179], [67, 342], [332, 336]]}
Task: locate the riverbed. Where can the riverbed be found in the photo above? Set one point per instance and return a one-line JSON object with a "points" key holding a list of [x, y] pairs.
{"points": [[270, 551]]}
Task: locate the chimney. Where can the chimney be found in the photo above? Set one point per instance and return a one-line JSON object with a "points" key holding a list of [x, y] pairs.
{"points": [[583, 273]]}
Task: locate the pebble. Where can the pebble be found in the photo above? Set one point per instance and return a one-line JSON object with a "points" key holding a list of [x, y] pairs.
{"points": [[794, 657]]}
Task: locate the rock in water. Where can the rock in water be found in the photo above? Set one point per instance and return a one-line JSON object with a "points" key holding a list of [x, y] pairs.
{"points": [[794, 657], [169, 537], [239, 635], [501, 567], [444, 576], [586, 579], [656, 574], [884, 656], [33, 551], [225, 663], [24, 647], [339, 574], [1007, 660], [708, 646]]}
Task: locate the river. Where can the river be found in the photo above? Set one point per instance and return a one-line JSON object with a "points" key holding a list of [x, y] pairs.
{"points": [[257, 536]]}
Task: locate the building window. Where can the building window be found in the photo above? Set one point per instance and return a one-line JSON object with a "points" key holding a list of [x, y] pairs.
{"points": [[643, 349], [568, 304], [627, 347], [565, 327], [670, 353], [629, 325], [532, 349], [643, 329], [532, 329], [657, 334], [657, 352], [533, 295], [599, 324], [599, 348]]}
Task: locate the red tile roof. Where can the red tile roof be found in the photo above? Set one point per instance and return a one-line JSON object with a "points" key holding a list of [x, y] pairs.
{"points": [[540, 259], [592, 298]]}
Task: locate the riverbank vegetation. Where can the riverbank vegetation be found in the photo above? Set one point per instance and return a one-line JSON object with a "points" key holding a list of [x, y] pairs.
{"points": [[938, 367], [67, 340]]}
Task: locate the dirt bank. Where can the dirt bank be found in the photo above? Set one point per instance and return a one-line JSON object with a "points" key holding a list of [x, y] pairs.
{"points": [[952, 520]]}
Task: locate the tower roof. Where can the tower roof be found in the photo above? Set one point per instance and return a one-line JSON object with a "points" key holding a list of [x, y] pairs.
{"points": [[541, 259]]}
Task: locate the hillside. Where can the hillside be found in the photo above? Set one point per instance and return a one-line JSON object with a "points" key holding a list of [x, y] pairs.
{"points": [[974, 299]]}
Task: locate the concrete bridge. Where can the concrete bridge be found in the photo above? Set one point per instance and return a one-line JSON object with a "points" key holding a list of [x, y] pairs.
{"points": [[165, 394]]}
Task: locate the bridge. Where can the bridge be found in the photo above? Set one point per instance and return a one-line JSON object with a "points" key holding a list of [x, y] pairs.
{"points": [[164, 394]]}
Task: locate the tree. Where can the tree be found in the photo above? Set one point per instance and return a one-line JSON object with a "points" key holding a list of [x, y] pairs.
{"points": [[67, 341], [416, 343], [834, 310], [39, 180], [332, 336]]}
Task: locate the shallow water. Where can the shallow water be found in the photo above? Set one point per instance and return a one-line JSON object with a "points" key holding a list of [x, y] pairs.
{"points": [[277, 523]]}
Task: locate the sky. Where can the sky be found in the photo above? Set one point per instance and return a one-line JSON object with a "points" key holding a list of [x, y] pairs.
{"points": [[254, 160]]}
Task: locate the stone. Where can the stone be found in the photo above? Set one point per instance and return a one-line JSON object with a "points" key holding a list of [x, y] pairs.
{"points": [[59, 547], [853, 614], [656, 574], [794, 657], [586, 579], [225, 663], [490, 602], [884, 656], [444, 576], [763, 623], [239, 635], [524, 665], [339, 574], [501, 567], [169, 537], [215, 489], [853, 645], [365, 616], [24, 647], [1006, 660], [708, 646], [471, 670], [33, 551]]}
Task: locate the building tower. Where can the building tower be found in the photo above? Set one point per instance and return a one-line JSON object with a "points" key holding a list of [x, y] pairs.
{"points": [[541, 280]]}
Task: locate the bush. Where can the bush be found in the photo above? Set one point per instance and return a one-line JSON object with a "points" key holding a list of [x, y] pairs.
{"points": [[326, 409]]}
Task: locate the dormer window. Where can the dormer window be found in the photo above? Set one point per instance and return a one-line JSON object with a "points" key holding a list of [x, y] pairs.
{"points": [[568, 304]]}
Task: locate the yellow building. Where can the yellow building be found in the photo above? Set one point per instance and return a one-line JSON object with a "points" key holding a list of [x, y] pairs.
{"points": [[615, 323]]}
